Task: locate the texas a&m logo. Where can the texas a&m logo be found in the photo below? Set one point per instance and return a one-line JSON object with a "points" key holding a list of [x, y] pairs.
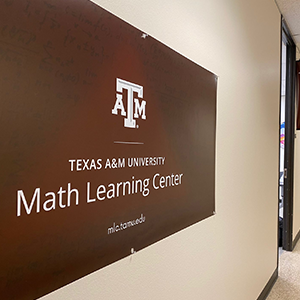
{"points": [[135, 108]]}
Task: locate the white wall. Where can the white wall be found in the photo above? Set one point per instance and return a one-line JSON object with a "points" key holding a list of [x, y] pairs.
{"points": [[232, 255]]}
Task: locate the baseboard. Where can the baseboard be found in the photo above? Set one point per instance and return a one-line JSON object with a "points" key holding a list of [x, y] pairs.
{"points": [[264, 294], [296, 239]]}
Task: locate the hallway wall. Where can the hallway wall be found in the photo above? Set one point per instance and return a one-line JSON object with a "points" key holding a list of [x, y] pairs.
{"points": [[232, 255]]}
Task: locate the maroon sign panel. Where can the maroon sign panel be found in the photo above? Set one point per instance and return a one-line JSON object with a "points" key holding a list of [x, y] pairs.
{"points": [[107, 143]]}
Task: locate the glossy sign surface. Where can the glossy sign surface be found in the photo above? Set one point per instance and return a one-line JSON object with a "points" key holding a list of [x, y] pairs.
{"points": [[107, 143]]}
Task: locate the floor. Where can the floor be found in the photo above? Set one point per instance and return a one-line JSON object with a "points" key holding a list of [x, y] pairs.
{"points": [[287, 286]]}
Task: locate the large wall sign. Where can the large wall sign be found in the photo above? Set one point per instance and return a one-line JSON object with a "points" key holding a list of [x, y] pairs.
{"points": [[107, 143]]}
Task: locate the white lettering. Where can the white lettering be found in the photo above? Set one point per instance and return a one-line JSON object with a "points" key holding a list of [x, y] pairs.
{"points": [[166, 181], [93, 165], [21, 197], [107, 164], [140, 109], [85, 164], [60, 193], [72, 163], [88, 199], [121, 162], [51, 201], [70, 191], [78, 165], [119, 105], [156, 187]]}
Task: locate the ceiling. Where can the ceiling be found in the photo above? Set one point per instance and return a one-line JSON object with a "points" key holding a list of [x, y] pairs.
{"points": [[290, 10]]}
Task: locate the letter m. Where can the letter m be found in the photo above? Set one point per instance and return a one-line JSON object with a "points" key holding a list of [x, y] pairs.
{"points": [[21, 197], [140, 109], [110, 230]]}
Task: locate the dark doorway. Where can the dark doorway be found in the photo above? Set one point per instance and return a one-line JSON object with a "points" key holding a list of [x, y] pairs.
{"points": [[287, 135]]}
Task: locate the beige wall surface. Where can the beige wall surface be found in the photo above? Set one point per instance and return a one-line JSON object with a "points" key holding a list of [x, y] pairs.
{"points": [[231, 255]]}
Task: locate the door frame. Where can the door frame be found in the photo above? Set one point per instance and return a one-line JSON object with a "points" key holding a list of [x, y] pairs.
{"points": [[288, 193]]}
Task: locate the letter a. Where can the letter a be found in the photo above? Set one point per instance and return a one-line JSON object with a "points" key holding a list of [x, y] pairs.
{"points": [[119, 105]]}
